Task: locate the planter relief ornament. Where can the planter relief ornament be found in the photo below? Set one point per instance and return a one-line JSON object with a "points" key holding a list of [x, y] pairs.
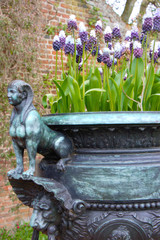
{"points": [[100, 175]]}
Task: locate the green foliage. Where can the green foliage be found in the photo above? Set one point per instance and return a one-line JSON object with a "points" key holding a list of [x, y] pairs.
{"points": [[131, 84], [20, 232], [20, 24], [95, 13], [52, 30]]}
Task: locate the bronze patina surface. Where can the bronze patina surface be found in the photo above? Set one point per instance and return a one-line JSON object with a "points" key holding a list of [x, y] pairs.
{"points": [[109, 188]]}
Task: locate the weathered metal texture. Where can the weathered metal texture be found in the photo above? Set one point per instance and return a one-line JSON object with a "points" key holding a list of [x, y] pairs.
{"points": [[112, 179], [111, 162]]}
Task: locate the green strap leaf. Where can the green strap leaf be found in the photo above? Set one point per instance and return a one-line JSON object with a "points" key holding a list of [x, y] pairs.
{"points": [[95, 90]]}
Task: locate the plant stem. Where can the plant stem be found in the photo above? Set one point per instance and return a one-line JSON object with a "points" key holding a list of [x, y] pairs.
{"points": [[146, 54], [109, 90], [136, 86], [95, 59], [62, 61], [56, 72], [56, 65], [74, 57], [120, 89], [83, 71], [69, 60], [131, 60]]}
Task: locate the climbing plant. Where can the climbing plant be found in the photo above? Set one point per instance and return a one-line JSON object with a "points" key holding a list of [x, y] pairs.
{"points": [[20, 24]]}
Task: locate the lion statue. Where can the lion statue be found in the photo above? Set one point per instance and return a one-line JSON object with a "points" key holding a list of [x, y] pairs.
{"points": [[28, 131]]}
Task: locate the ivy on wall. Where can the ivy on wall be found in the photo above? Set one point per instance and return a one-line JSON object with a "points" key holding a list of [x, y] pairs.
{"points": [[20, 24]]}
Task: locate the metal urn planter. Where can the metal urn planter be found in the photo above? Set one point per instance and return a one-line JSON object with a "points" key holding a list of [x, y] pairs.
{"points": [[110, 187]]}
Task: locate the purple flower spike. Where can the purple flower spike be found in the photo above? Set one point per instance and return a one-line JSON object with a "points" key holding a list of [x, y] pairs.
{"points": [[110, 45], [131, 47], [83, 37], [125, 77], [79, 47], [116, 31], [128, 36], [155, 57], [94, 51], [78, 58], [156, 46], [56, 43], [72, 24], [134, 33], [117, 50], [137, 49], [80, 65], [106, 52], [98, 26], [106, 57], [69, 45], [62, 38], [107, 34], [92, 42], [124, 47], [100, 56], [109, 62], [156, 21], [143, 39], [147, 23], [83, 33]]}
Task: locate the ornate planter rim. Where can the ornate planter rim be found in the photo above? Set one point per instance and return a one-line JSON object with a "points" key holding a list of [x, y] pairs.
{"points": [[102, 118]]}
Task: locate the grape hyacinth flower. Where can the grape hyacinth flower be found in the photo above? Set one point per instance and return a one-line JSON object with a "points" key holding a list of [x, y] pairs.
{"points": [[137, 49], [110, 45], [78, 58], [106, 52], [100, 56], [92, 41], [98, 26], [143, 39], [117, 50], [113, 59], [156, 21], [128, 36], [147, 22], [62, 38], [124, 46], [126, 50], [131, 47], [125, 77], [109, 62], [116, 31], [134, 33], [80, 65], [154, 46], [107, 34], [56, 43], [72, 24], [106, 57], [95, 50], [83, 33], [101, 73], [69, 45], [79, 47]]}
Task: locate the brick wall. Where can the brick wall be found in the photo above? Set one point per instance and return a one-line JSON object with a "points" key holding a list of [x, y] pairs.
{"points": [[53, 12]]}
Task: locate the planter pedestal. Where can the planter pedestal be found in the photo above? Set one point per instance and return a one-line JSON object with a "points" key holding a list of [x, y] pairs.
{"points": [[110, 187]]}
